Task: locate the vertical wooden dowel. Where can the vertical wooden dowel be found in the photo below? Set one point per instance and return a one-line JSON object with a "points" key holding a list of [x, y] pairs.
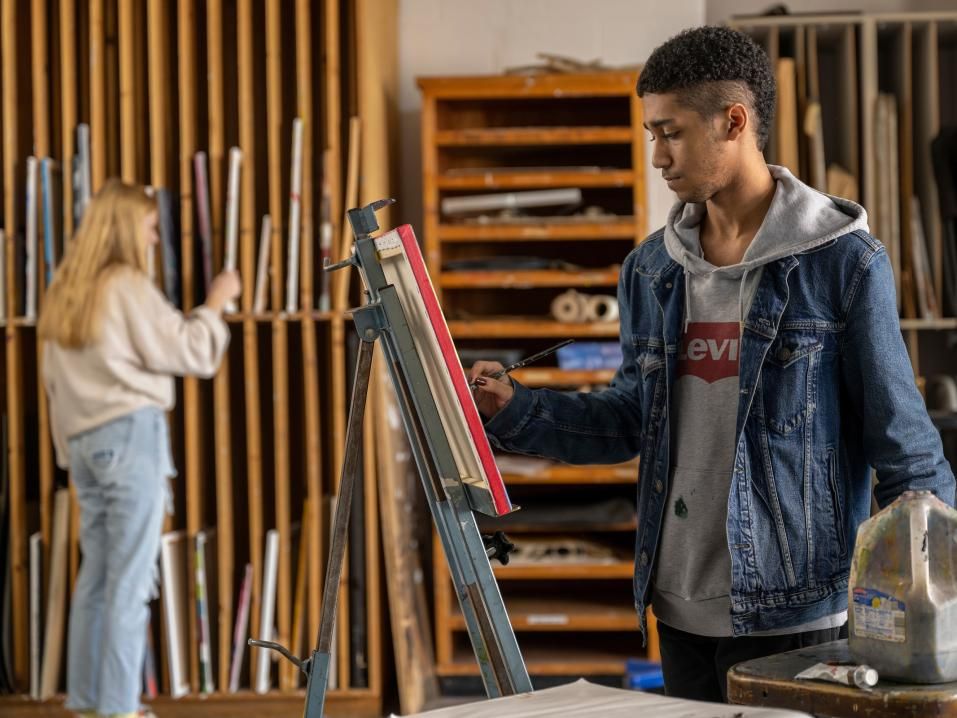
{"points": [[127, 100], [111, 63], [68, 110], [41, 149], [274, 145], [40, 70], [304, 51], [313, 533], [68, 120], [254, 429], [221, 404], [274, 124], [351, 200], [15, 455], [333, 108], [97, 95], [158, 81], [281, 449], [187, 72]]}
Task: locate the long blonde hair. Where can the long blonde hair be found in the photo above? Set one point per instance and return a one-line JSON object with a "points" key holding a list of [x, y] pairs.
{"points": [[110, 236]]}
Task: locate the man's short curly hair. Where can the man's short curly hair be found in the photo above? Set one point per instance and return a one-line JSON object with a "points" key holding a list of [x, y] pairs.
{"points": [[710, 68]]}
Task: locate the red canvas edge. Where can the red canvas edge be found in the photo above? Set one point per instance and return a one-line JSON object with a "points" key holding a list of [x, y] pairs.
{"points": [[499, 496]]}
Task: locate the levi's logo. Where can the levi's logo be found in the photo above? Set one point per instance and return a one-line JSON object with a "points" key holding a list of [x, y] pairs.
{"points": [[709, 351]]}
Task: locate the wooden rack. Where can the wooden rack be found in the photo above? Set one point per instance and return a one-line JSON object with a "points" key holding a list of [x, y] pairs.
{"points": [[845, 62], [158, 82], [478, 136]]}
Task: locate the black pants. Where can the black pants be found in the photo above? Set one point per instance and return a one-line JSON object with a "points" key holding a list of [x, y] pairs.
{"points": [[696, 667]]}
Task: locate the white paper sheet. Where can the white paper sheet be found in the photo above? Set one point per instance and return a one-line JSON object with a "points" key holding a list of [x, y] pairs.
{"points": [[582, 699]]}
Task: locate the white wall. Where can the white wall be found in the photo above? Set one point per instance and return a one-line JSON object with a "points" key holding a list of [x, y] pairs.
{"points": [[453, 37]]}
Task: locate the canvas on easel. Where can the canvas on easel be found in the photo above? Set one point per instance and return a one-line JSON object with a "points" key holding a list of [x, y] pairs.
{"points": [[404, 267]]}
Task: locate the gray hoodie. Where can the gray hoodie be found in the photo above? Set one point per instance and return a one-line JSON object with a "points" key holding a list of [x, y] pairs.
{"points": [[692, 579]]}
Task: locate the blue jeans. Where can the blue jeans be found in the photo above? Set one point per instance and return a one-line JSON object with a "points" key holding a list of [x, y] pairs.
{"points": [[120, 471]]}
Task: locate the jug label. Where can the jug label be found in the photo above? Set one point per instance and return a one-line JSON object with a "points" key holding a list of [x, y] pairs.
{"points": [[878, 615]]}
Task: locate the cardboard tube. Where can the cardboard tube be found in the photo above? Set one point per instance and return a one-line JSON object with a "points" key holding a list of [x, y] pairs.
{"points": [[568, 307]]}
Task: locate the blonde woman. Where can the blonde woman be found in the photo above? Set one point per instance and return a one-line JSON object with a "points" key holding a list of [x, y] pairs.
{"points": [[112, 346]]}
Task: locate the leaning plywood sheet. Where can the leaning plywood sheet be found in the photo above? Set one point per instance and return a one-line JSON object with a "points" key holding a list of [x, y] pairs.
{"points": [[587, 700], [788, 150], [404, 267]]}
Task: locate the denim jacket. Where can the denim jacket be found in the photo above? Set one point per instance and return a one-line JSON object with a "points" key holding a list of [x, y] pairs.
{"points": [[826, 394]]}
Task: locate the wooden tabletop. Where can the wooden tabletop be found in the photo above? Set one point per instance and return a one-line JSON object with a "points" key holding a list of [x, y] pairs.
{"points": [[770, 682]]}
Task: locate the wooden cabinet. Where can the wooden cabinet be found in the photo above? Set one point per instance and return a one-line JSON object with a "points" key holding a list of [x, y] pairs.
{"points": [[570, 601]]}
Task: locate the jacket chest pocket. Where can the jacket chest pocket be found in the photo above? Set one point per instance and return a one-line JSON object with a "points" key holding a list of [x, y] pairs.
{"points": [[789, 380]]}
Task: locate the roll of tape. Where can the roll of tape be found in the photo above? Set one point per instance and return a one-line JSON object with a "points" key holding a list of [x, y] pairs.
{"points": [[568, 307], [601, 308], [941, 393]]}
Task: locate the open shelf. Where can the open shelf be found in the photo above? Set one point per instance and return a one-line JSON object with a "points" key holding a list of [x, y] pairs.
{"points": [[930, 324], [288, 704], [576, 571], [554, 660], [493, 178], [623, 228], [286, 316], [575, 86], [562, 474], [528, 613], [529, 328], [527, 136], [525, 279], [552, 377]]}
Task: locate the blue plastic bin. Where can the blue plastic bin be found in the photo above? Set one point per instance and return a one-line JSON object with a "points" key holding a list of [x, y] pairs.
{"points": [[643, 675]]}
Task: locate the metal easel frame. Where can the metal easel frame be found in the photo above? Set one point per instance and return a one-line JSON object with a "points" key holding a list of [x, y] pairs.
{"points": [[493, 639]]}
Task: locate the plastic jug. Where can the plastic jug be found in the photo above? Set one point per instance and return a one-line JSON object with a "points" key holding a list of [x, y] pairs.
{"points": [[902, 594]]}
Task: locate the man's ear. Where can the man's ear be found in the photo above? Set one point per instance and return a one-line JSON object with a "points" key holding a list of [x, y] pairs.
{"points": [[736, 120]]}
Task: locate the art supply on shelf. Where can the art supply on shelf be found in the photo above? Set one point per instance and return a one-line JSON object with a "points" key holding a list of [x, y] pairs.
{"points": [[590, 356], [577, 307], [511, 200]]}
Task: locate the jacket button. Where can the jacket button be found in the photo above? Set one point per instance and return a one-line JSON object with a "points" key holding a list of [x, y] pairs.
{"points": [[784, 354], [644, 558], [659, 486], [668, 285]]}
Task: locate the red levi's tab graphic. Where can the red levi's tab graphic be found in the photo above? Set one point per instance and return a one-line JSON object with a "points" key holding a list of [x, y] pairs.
{"points": [[709, 351]]}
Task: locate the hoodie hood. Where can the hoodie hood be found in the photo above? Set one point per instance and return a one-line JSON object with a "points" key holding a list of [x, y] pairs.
{"points": [[799, 219]]}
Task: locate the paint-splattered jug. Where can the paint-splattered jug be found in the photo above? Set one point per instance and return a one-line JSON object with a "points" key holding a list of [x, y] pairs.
{"points": [[903, 591]]}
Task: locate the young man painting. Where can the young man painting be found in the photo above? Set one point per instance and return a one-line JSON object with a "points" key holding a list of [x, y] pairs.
{"points": [[764, 376]]}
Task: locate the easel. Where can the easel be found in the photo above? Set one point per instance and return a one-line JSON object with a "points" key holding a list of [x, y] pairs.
{"points": [[450, 501]]}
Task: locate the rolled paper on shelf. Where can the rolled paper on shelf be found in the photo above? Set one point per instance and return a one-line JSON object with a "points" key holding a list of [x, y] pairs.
{"points": [[568, 307], [600, 308]]}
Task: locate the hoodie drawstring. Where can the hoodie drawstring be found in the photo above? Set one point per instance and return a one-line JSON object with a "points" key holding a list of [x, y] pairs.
{"points": [[687, 299], [741, 290]]}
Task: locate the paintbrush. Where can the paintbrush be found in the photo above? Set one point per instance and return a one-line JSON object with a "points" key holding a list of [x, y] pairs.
{"points": [[525, 362]]}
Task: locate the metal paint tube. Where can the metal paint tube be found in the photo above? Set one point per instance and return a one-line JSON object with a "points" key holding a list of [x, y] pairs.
{"points": [[849, 675]]}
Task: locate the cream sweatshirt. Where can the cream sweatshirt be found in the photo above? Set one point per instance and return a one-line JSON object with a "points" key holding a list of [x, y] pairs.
{"points": [[144, 342]]}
